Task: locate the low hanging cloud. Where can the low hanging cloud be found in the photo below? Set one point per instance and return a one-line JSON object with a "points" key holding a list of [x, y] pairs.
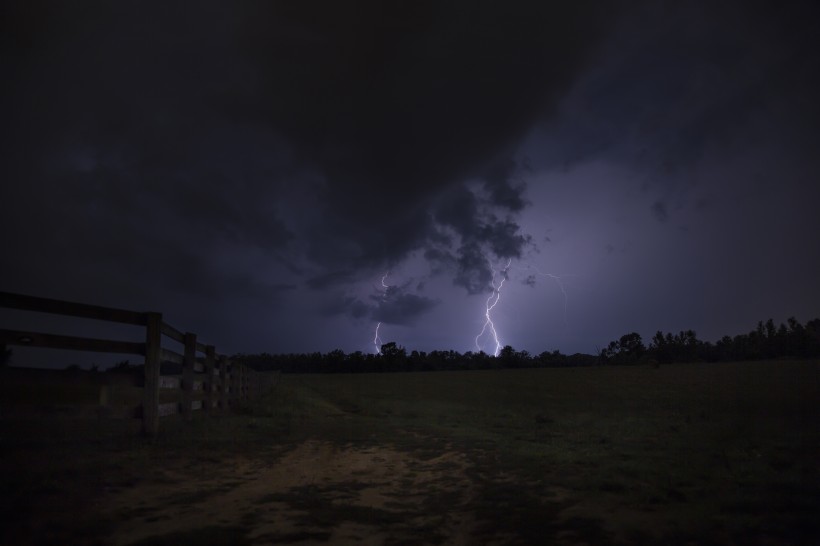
{"points": [[266, 151], [505, 186], [479, 226], [382, 112], [474, 271], [396, 304], [403, 308]]}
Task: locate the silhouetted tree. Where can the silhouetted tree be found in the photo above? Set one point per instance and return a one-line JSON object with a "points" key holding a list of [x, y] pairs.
{"points": [[813, 337], [767, 339], [507, 356], [393, 357], [627, 350], [662, 350]]}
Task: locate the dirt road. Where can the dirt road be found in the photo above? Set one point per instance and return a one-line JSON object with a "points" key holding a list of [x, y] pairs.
{"points": [[316, 493]]}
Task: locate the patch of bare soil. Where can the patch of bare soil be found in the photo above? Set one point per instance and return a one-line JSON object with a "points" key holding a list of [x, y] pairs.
{"points": [[316, 493]]}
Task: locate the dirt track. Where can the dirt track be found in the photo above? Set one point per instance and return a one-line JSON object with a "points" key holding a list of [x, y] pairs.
{"points": [[315, 493]]}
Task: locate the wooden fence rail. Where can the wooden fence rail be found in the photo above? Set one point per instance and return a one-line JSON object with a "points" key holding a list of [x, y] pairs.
{"points": [[210, 383]]}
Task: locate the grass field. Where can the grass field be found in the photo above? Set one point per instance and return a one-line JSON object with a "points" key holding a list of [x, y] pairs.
{"points": [[683, 454]]}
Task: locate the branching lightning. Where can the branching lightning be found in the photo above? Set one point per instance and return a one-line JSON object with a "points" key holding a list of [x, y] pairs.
{"points": [[489, 327], [559, 280], [488, 336], [492, 301], [377, 341]]}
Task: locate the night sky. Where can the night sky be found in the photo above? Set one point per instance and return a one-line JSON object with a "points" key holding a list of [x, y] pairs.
{"points": [[284, 176]]}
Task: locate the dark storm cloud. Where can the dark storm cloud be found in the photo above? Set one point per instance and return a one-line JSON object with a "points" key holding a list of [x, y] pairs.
{"points": [[459, 209], [396, 305], [504, 188], [681, 82], [329, 279], [347, 305], [467, 216], [659, 211], [504, 238], [397, 106], [208, 117], [474, 272], [403, 309]]}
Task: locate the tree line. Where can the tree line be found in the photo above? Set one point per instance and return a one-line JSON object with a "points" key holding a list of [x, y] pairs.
{"points": [[765, 342], [395, 358]]}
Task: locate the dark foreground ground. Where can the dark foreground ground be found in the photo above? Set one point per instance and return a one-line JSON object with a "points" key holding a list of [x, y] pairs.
{"points": [[684, 454]]}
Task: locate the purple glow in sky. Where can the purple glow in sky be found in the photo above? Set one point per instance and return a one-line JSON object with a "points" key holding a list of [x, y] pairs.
{"points": [[251, 170]]}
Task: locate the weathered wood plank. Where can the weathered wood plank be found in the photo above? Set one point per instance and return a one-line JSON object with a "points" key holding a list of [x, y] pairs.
{"points": [[170, 408], [210, 395], [223, 383], [171, 356], [53, 341], [238, 377], [188, 374], [60, 307], [169, 382], [173, 333]]}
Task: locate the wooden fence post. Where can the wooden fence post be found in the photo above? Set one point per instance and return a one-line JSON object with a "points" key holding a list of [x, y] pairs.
{"points": [[236, 385], [223, 383], [240, 373], [245, 393], [210, 355], [150, 396], [188, 375], [242, 382]]}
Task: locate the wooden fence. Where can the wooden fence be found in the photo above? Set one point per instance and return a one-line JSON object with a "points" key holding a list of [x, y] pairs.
{"points": [[208, 382]]}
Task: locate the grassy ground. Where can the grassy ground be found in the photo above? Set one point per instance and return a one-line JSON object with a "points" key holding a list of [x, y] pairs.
{"points": [[685, 454]]}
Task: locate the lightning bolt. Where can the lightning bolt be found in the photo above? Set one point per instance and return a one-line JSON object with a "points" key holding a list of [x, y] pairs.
{"points": [[492, 301], [377, 341], [559, 280]]}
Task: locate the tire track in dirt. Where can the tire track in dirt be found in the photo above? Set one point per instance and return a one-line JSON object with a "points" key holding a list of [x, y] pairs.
{"points": [[316, 493]]}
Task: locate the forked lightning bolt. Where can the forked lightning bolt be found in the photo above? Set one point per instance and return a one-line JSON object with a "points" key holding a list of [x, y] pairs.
{"points": [[492, 301], [377, 341]]}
